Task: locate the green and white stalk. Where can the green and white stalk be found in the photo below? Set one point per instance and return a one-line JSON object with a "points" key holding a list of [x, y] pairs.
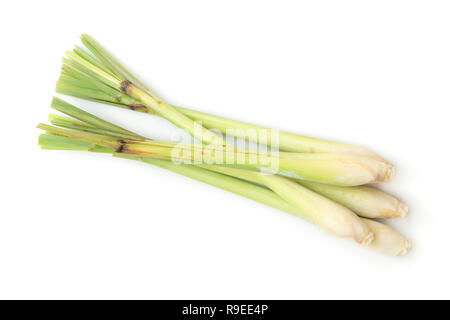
{"points": [[365, 201], [336, 169], [386, 240], [314, 167], [100, 77], [316, 208], [362, 169], [286, 141], [325, 213], [326, 168], [106, 63]]}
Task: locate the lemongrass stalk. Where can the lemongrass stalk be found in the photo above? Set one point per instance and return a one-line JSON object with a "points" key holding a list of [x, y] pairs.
{"points": [[330, 216], [336, 169], [345, 170], [308, 202], [334, 218], [287, 141], [179, 119], [365, 201], [386, 239], [249, 190]]}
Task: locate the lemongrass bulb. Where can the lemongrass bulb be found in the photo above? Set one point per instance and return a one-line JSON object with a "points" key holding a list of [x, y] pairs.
{"points": [[335, 168], [364, 201], [327, 214], [386, 239]]}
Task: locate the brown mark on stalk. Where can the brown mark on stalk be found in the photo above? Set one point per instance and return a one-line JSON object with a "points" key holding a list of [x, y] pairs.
{"points": [[122, 147], [125, 86], [137, 107]]}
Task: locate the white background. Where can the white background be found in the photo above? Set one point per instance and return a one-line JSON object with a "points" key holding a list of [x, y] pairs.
{"points": [[82, 225]]}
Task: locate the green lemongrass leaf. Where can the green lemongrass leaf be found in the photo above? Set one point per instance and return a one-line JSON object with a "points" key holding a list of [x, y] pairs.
{"points": [[84, 79], [104, 141], [98, 96], [56, 142], [83, 69], [84, 93], [72, 77], [84, 116], [56, 117], [86, 39], [91, 59], [100, 74], [82, 127], [99, 53], [69, 80], [50, 141]]}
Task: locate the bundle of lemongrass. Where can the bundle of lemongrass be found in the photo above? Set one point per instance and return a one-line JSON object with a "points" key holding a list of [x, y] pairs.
{"points": [[319, 180]]}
